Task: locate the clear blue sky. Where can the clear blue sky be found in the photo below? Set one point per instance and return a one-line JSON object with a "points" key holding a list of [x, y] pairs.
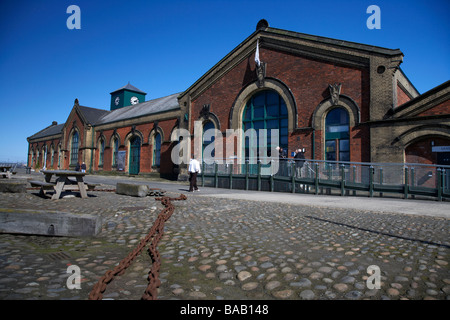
{"points": [[162, 47]]}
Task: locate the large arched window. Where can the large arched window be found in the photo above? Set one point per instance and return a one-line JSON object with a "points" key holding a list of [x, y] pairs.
{"points": [[337, 143], [74, 149], [157, 150], [266, 110]]}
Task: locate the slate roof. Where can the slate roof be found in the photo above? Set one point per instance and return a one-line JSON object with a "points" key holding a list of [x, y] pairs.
{"points": [[91, 115], [49, 131], [95, 116], [131, 88], [141, 109]]}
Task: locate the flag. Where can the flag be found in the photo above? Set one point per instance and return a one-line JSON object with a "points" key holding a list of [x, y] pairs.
{"points": [[258, 62]]}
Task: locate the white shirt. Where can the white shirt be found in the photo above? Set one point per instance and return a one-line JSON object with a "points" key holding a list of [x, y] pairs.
{"points": [[194, 166]]}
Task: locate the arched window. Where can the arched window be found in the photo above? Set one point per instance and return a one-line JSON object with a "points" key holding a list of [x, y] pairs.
{"points": [[157, 150], [337, 143], [52, 153], [208, 140], [74, 149], [101, 153], [266, 110], [115, 152], [59, 156], [44, 156]]}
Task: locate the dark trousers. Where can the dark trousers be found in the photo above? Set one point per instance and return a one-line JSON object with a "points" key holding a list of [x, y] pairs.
{"points": [[193, 181]]}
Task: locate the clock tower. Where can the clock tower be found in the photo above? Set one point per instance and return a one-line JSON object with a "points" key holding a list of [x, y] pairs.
{"points": [[126, 96]]}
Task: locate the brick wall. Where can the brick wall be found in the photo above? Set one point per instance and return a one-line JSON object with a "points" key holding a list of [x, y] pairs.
{"points": [[40, 146], [402, 97], [421, 151], [440, 109], [146, 152], [308, 81], [74, 121]]}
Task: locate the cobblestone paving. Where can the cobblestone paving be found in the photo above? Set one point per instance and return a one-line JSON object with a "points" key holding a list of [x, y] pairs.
{"points": [[231, 249]]}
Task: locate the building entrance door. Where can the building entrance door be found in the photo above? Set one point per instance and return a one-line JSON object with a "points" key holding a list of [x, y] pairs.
{"points": [[135, 155]]}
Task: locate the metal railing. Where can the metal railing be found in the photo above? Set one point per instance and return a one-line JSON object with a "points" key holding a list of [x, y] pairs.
{"points": [[331, 177]]}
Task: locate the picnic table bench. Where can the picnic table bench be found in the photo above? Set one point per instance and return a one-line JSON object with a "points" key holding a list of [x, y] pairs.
{"points": [[63, 183], [43, 185], [5, 170]]}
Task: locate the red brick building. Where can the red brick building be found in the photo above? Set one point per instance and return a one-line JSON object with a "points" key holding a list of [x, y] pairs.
{"points": [[339, 100]]}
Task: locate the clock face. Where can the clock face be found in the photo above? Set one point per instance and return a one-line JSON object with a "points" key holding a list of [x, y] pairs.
{"points": [[117, 101], [134, 100]]}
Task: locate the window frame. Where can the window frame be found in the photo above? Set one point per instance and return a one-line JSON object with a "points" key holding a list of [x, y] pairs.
{"points": [[74, 149], [156, 159], [267, 101], [101, 155], [335, 134]]}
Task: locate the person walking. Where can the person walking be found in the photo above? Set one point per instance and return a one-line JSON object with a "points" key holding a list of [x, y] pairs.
{"points": [[299, 159], [83, 167], [194, 169]]}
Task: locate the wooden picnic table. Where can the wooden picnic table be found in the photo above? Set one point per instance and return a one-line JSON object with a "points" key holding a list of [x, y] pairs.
{"points": [[64, 183], [5, 171]]}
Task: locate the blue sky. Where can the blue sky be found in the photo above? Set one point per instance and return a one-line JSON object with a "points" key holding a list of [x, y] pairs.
{"points": [[162, 47]]}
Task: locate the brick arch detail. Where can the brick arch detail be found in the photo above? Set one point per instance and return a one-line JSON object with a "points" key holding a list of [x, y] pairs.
{"points": [[237, 110], [421, 132], [318, 118]]}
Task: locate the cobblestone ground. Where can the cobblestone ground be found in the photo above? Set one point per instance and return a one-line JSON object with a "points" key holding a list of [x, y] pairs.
{"points": [[231, 249]]}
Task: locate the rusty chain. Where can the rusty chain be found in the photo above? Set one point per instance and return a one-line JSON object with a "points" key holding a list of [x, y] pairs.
{"points": [[154, 235]]}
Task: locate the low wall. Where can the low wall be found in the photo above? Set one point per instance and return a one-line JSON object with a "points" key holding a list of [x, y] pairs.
{"points": [[49, 223], [13, 186]]}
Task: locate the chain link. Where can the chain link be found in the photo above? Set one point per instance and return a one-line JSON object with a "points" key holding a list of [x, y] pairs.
{"points": [[154, 235]]}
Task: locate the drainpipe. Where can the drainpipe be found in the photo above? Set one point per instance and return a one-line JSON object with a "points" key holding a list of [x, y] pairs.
{"points": [[313, 153]]}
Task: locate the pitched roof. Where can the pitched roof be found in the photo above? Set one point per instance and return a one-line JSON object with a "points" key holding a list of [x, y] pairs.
{"points": [[51, 130], [423, 102], [92, 115], [291, 41], [335, 42], [95, 116], [141, 109], [130, 88]]}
